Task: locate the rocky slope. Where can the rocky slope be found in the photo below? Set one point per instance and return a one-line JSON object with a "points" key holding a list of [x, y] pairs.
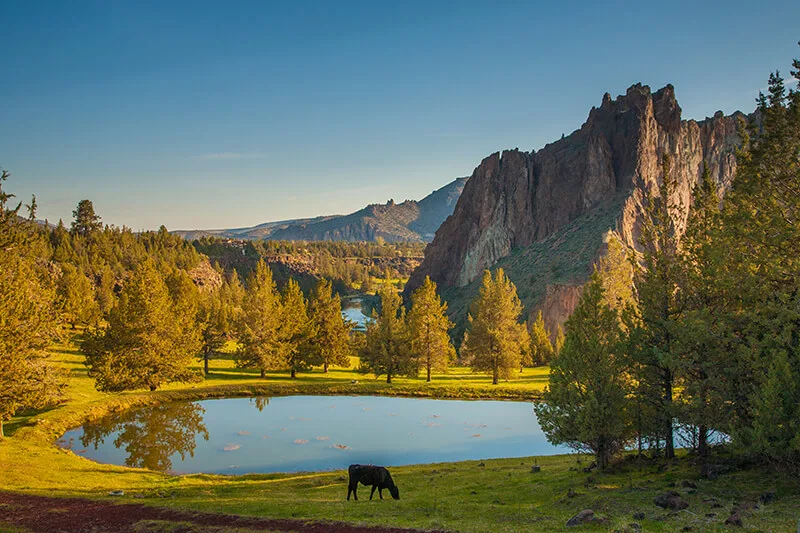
{"points": [[543, 215], [410, 220]]}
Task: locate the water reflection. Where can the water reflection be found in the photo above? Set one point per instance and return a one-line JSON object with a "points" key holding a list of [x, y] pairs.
{"points": [[151, 436], [260, 402]]}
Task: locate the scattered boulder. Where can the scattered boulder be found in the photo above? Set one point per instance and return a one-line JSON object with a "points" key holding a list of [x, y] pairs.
{"points": [[735, 519], [571, 493], [712, 471], [481, 464], [686, 484], [671, 500], [535, 469], [638, 515], [584, 517]]}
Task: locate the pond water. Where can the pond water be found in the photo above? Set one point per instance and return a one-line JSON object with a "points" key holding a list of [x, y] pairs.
{"points": [[309, 433]]}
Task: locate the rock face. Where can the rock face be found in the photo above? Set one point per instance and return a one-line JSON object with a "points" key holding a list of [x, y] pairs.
{"points": [[411, 220], [515, 200]]}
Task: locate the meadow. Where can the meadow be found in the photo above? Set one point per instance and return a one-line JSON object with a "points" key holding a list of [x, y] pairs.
{"points": [[491, 495]]}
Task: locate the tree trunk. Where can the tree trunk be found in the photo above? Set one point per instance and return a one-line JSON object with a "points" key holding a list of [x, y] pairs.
{"points": [[702, 441], [669, 444], [153, 388], [429, 371], [324, 368], [294, 374], [495, 375], [388, 377], [263, 373], [205, 363], [2, 435]]}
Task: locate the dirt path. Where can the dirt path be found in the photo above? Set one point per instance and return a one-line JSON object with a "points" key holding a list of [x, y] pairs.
{"points": [[42, 514]]}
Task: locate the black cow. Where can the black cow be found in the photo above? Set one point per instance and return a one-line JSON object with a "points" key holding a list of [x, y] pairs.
{"points": [[377, 476]]}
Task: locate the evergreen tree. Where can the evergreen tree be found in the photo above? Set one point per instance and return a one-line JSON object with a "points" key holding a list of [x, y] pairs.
{"points": [[541, 348], [704, 364], [496, 341], [559, 342], [75, 297], [259, 341], [330, 331], [653, 337], [586, 404], [214, 322], [86, 221], [616, 272], [761, 238], [146, 344], [294, 329], [428, 325], [388, 348], [28, 318]]}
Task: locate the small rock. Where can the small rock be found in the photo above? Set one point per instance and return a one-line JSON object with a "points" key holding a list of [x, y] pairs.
{"points": [[481, 464], [571, 493], [687, 528], [735, 519], [536, 469], [711, 515], [712, 472], [585, 516], [671, 500], [635, 526], [117, 493], [638, 515], [686, 484], [473, 492], [767, 497]]}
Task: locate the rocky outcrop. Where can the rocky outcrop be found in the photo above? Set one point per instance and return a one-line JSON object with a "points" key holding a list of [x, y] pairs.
{"points": [[515, 199]]}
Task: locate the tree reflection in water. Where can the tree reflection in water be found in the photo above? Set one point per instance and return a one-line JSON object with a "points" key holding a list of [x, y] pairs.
{"points": [[152, 435], [260, 402]]}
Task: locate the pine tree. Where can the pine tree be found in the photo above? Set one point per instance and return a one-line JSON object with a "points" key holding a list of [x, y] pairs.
{"points": [[653, 343], [259, 341], [146, 344], [28, 319], [587, 405], [388, 348], [428, 325], [495, 340], [331, 332], [559, 342], [213, 319], [541, 348], [86, 221], [294, 327]]}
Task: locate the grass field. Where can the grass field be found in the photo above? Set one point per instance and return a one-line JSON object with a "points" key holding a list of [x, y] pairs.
{"points": [[491, 495]]}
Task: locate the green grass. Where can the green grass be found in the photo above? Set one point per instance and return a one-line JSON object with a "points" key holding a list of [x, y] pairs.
{"points": [[474, 496]]}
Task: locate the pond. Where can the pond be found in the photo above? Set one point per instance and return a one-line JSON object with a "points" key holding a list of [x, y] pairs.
{"points": [[309, 433]]}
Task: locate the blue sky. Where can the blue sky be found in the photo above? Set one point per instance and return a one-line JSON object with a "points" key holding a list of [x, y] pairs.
{"points": [[226, 114]]}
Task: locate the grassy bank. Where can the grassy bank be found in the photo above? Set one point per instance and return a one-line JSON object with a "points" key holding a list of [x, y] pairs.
{"points": [[490, 495]]}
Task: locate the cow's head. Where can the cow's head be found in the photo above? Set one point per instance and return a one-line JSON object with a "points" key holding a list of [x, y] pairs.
{"points": [[395, 492]]}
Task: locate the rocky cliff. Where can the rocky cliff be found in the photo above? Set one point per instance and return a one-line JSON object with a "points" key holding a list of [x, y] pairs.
{"points": [[520, 210], [411, 220]]}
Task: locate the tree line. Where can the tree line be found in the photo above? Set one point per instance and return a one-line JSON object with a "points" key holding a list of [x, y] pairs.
{"points": [[709, 338]]}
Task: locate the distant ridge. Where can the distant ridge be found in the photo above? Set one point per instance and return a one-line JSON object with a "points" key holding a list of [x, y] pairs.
{"points": [[409, 221]]}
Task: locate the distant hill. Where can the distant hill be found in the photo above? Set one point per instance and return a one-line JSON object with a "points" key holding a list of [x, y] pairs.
{"points": [[411, 220]]}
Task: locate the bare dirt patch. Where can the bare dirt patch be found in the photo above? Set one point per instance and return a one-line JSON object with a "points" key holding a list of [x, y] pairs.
{"points": [[41, 514]]}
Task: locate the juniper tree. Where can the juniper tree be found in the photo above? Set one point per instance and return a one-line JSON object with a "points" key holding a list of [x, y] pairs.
{"points": [[541, 351], [86, 220], [293, 331]]}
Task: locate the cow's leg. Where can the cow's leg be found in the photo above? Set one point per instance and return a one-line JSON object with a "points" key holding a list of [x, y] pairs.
{"points": [[380, 492], [353, 487], [373, 491]]}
